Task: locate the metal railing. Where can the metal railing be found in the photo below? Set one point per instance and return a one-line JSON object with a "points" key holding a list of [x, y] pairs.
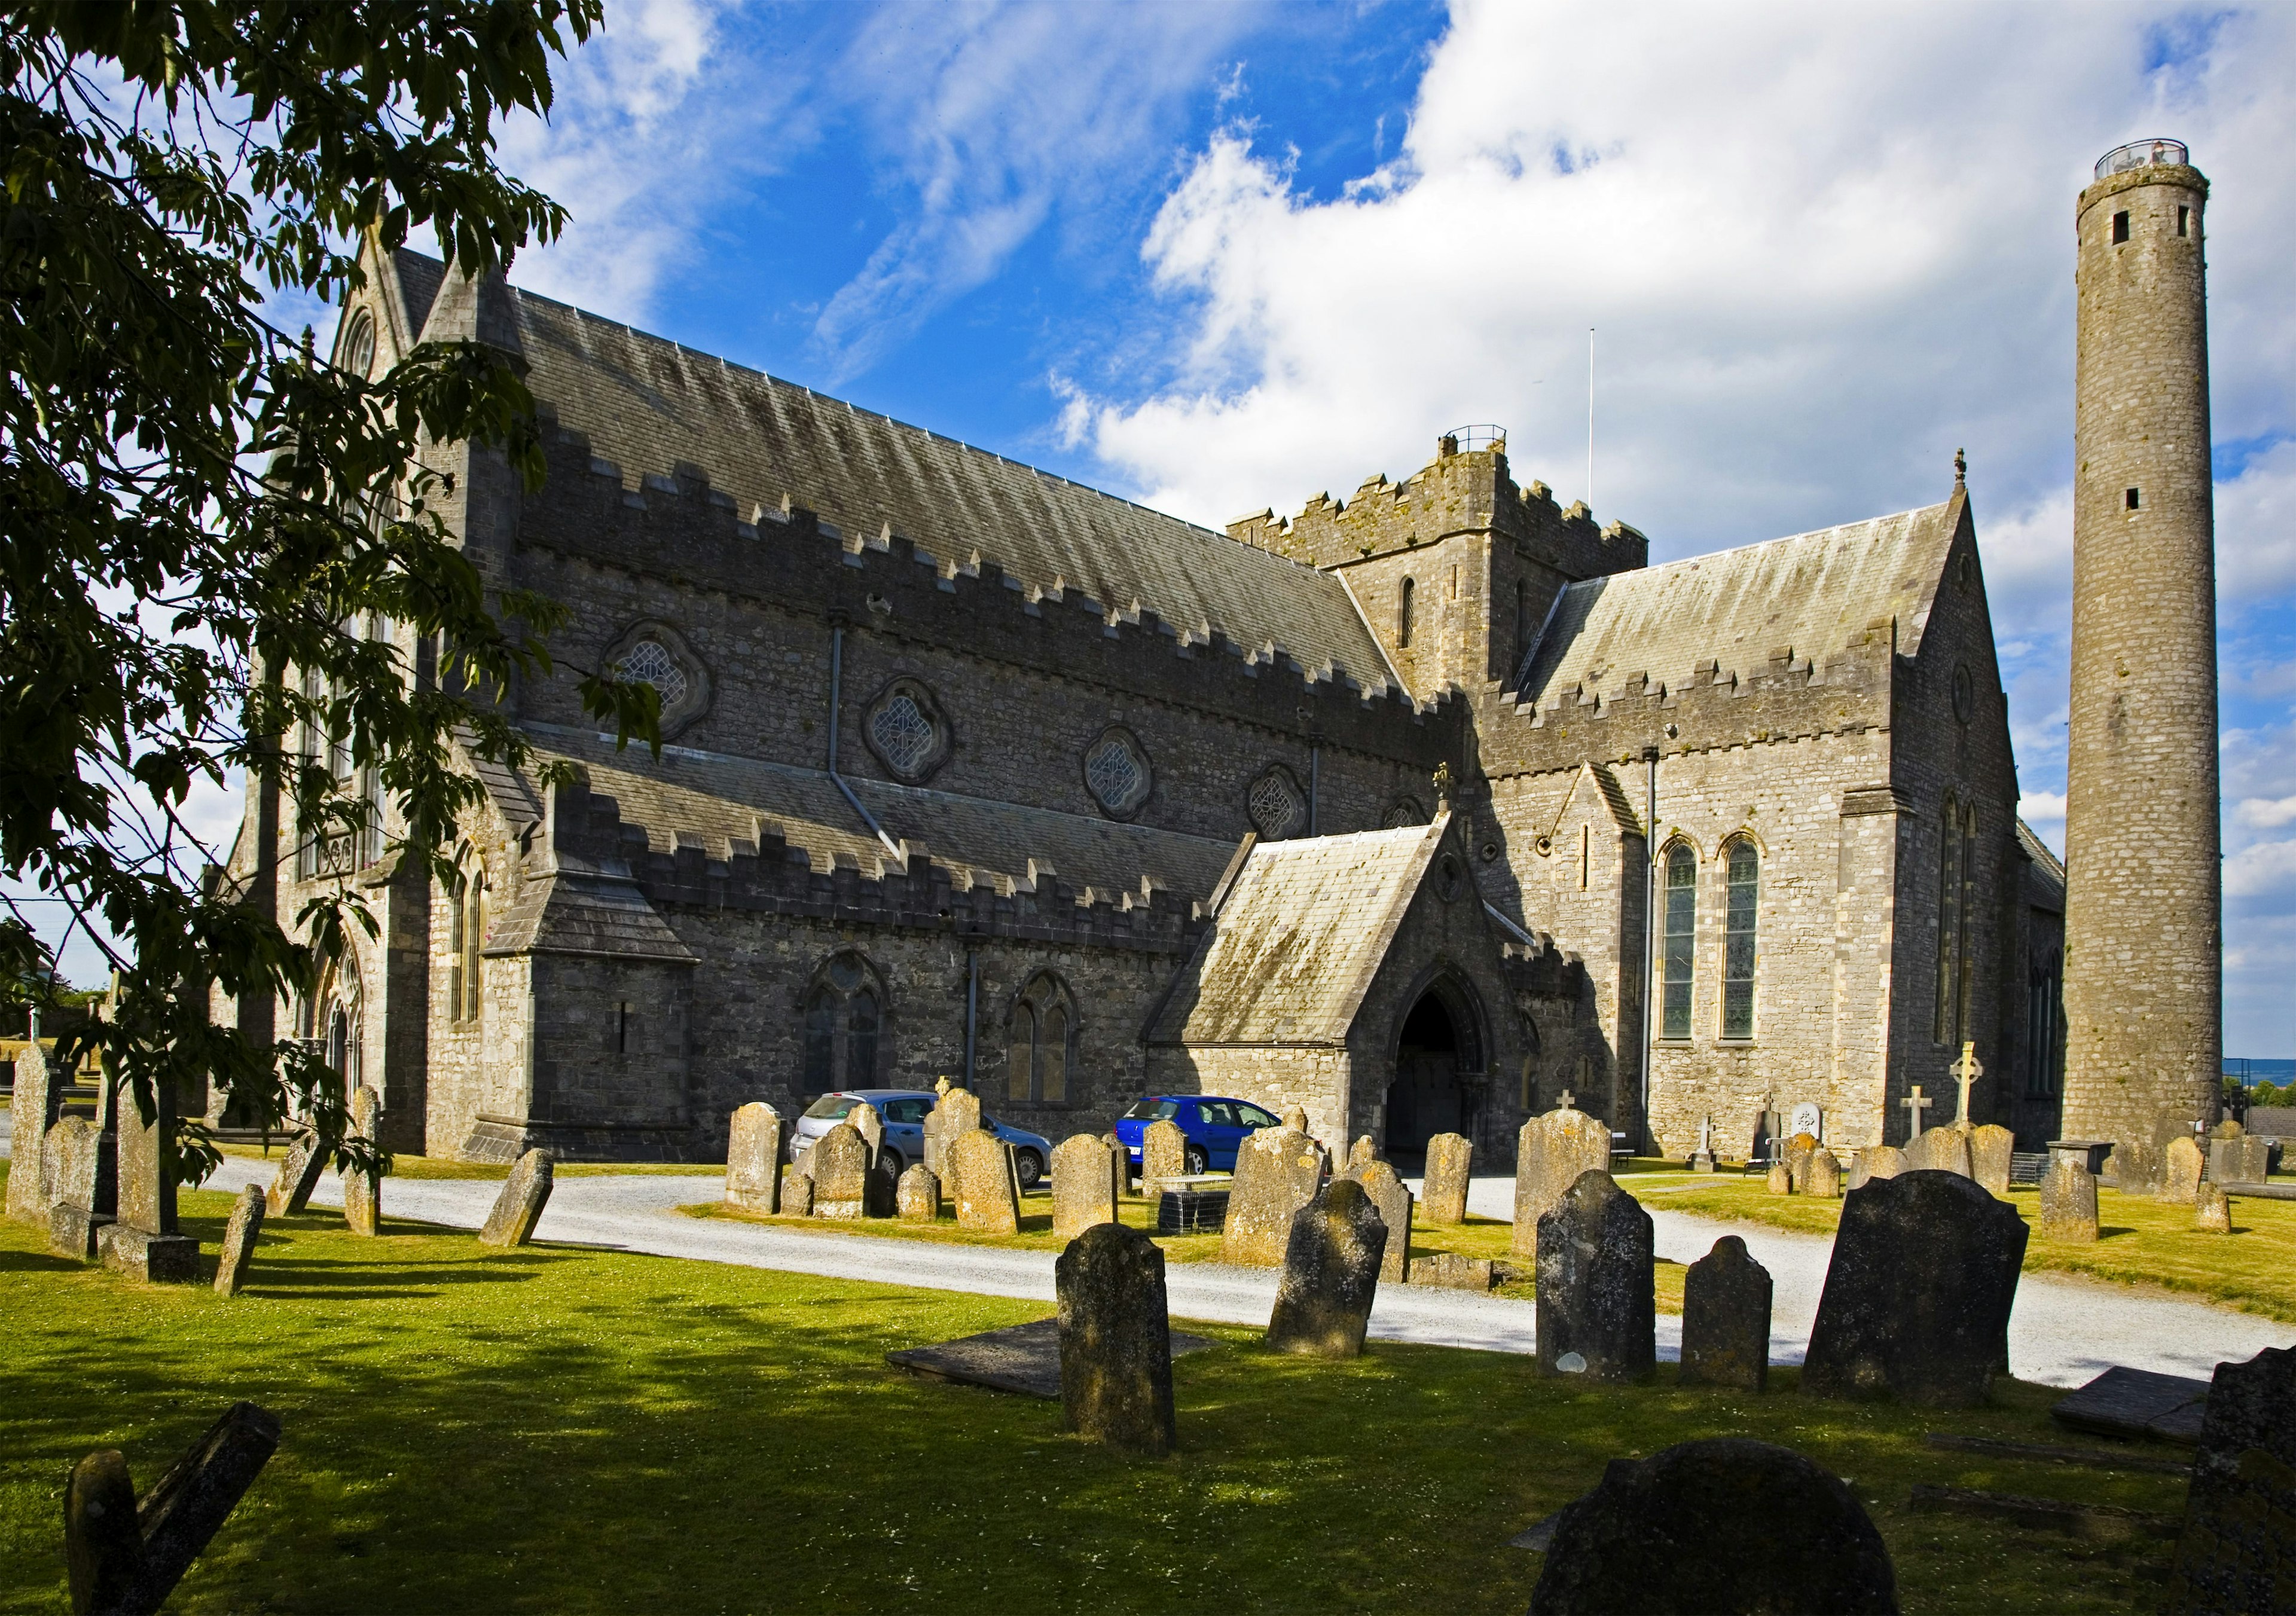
{"points": [[2141, 154], [1479, 435]]}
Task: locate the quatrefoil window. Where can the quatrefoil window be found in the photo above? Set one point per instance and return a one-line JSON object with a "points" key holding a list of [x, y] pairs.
{"points": [[1117, 774], [650, 652], [1278, 807], [905, 728], [650, 662]]}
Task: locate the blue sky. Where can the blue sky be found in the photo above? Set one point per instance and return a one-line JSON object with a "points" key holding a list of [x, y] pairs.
{"points": [[1221, 257]]}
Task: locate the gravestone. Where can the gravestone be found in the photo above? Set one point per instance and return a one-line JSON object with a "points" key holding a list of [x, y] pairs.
{"points": [[1331, 1274], [1363, 1152], [1823, 1176], [1163, 1154], [1597, 1311], [1120, 1162], [1876, 1162], [1389, 1194], [363, 1188], [1701, 1159], [2180, 1171], [1780, 1179], [1918, 1293], [838, 1166], [1450, 1160], [2068, 1201], [1449, 1271], [2244, 1160], [987, 1192], [143, 1241], [1990, 1146], [298, 1176], [870, 1126], [519, 1206], [1296, 1120], [1941, 1149], [1800, 1148], [1722, 1525], [885, 1188], [796, 1191], [2134, 1168], [753, 1159], [2211, 1209], [1806, 1117], [1084, 1185], [1277, 1172], [918, 1197], [2229, 1129], [1552, 1153], [124, 1559], [239, 1238], [1725, 1319], [1116, 1341], [955, 1114], [33, 1109], [83, 1162], [2237, 1553]]}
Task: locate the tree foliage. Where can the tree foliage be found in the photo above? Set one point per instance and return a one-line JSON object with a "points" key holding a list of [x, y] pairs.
{"points": [[192, 503]]}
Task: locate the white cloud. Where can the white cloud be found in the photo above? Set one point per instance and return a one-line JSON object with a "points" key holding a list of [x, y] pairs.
{"points": [[2267, 815], [2256, 534], [2043, 809], [2264, 869]]}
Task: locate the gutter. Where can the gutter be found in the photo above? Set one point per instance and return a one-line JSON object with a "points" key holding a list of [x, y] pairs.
{"points": [[836, 693]]}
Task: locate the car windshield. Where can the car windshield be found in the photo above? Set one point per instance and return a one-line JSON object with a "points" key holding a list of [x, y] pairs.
{"points": [[829, 1108], [1150, 1110]]}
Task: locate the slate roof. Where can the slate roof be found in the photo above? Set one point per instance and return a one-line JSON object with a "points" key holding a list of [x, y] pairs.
{"points": [[2047, 866], [720, 798], [648, 405], [418, 284], [576, 910], [1813, 593], [1298, 939]]}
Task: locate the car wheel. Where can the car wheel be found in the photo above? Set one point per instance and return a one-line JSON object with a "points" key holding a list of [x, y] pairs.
{"points": [[1031, 1166], [1196, 1161], [889, 1159]]}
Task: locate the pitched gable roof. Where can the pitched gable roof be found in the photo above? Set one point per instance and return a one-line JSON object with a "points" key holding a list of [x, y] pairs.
{"points": [[1303, 931], [1814, 595]]}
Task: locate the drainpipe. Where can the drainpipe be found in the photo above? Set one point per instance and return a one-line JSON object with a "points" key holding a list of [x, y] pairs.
{"points": [[971, 1012], [1650, 946], [836, 693], [1315, 780]]}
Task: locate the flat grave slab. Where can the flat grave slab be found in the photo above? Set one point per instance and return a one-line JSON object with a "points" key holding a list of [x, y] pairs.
{"points": [[2091, 1521], [1025, 1358], [2124, 1402]]}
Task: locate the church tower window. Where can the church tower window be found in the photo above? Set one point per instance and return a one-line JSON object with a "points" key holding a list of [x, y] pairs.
{"points": [[1738, 950], [1402, 615], [1043, 1023], [1681, 941]]}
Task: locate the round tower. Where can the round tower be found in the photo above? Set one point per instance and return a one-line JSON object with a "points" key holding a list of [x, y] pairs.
{"points": [[2144, 922]]}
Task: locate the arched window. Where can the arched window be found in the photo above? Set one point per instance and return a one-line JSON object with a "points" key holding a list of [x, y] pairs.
{"points": [[1042, 1025], [470, 934], [358, 345], [2045, 1025], [844, 1024], [1745, 876], [1680, 946], [1403, 616]]}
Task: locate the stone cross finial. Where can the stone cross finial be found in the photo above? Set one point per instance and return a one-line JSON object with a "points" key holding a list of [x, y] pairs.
{"points": [[1960, 468], [1568, 1101], [1915, 1106], [1442, 783], [1966, 1071]]}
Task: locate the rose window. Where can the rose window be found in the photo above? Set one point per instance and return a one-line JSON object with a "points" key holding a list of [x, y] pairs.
{"points": [[1116, 774], [903, 734], [1276, 808], [650, 662]]}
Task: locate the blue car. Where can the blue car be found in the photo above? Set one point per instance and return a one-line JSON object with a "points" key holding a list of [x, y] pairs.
{"points": [[903, 1113], [1215, 1127]]}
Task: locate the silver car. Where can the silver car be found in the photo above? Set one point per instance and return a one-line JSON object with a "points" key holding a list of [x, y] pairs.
{"points": [[903, 1112]]}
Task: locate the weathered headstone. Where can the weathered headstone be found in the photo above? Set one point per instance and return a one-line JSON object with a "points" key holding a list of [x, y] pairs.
{"points": [[2134, 1168], [2229, 1129], [1331, 1274], [1120, 1162], [1725, 1319], [1552, 1153], [885, 1188], [1116, 1340], [1876, 1162], [1806, 1117], [1296, 1119], [1163, 1154], [1780, 1179], [1392, 1197], [1452, 1272], [1277, 1172], [1084, 1185], [2245, 1159], [955, 1114], [1800, 1148], [987, 1193], [239, 1239], [796, 1191], [519, 1206], [124, 1559], [2068, 1201], [1821, 1177], [1990, 1146], [1918, 1293], [32, 1110], [363, 1190], [2211, 1209], [2180, 1171], [1450, 1160], [1597, 1309], [838, 1166], [865, 1121], [1722, 1525], [83, 1163], [1941, 1149], [298, 1176], [753, 1159], [2237, 1553], [143, 1241], [918, 1197]]}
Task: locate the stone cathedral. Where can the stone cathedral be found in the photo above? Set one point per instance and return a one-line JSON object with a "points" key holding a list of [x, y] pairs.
{"points": [[1420, 809]]}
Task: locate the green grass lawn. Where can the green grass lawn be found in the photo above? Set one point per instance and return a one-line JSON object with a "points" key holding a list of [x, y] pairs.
{"points": [[555, 1429]]}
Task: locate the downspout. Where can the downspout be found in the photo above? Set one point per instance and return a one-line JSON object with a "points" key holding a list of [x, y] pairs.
{"points": [[1315, 780], [971, 1011], [1649, 945], [836, 693]]}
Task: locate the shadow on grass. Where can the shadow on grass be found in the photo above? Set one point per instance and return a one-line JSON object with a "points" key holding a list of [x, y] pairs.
{"points": [[37, 1262]]}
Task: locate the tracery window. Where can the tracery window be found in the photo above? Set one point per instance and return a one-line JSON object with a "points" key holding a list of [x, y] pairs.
{"points": [[844, 1020], [1040, 1043], [1116, 773], [905, 726], [358, 345], [467, 933], [1681, 939], [1277, 806], [651, 662], [1744, 870]]}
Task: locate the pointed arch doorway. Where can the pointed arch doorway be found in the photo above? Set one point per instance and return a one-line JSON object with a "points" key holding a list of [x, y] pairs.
{"points": [[1438, 1069]]}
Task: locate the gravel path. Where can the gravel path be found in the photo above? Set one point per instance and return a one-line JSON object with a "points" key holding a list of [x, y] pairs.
{"points": [[2064, 1332]]}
